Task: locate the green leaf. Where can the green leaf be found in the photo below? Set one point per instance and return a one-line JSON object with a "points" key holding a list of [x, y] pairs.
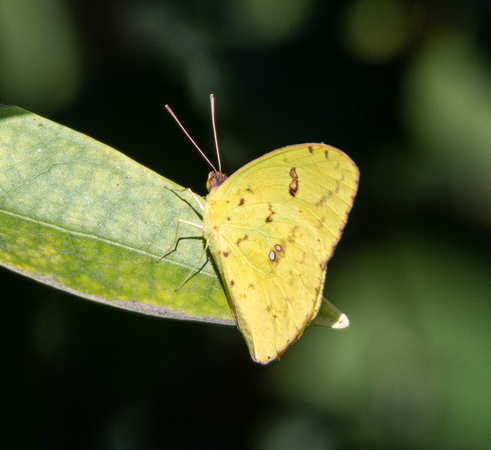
{"points": [[330, 317], [80, 216]]}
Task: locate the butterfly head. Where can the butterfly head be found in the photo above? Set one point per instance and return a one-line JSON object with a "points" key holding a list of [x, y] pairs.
{"points": [[215, 179]]}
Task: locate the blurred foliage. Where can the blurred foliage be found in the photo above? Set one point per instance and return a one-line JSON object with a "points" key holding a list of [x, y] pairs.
{"points": [[404, 88]]}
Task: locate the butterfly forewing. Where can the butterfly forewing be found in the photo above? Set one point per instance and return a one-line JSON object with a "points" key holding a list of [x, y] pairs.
{"points": [[271, 228], [324, 187]]}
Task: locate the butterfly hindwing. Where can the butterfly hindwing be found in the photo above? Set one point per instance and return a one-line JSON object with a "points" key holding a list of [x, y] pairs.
{"points": [[263, 252]]}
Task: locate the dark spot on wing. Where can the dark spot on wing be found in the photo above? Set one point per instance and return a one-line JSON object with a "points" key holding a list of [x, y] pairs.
{"points": [[271, 213], [293, 186], [241, 201], [242, 239]]}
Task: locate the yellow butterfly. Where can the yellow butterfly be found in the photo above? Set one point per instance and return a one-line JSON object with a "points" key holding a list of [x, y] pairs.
{"points": [[271, 228]]}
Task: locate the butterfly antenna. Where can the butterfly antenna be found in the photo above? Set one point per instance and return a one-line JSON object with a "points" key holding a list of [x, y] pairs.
{"points": [[167, 107], [212, 102]]}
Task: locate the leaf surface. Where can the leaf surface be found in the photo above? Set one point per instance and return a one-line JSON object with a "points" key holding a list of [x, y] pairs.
{"points": [[82, 217]]}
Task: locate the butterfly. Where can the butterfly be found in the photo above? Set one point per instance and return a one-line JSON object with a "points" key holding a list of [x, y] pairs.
{"points": [[271, 228]]}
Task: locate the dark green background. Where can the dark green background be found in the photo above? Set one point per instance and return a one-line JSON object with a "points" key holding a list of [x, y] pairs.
{"points": [[404, 87]]}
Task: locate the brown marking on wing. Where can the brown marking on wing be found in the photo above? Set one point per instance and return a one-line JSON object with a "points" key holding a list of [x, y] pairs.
{"points": [[242, 239], [271, 213], [293, 186], [276, 253], [292, 235], [321, 201]]}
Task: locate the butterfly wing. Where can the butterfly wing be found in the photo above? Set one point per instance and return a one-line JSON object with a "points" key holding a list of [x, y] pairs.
{"points": [[271, 227]]}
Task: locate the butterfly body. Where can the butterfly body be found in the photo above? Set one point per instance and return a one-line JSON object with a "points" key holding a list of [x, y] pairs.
{"points": [[271, 228]]}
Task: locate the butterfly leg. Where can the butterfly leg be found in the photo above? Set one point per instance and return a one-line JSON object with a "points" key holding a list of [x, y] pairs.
{"points": [[197, 201], [193, 270], [201, 206], [174, 242]]}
